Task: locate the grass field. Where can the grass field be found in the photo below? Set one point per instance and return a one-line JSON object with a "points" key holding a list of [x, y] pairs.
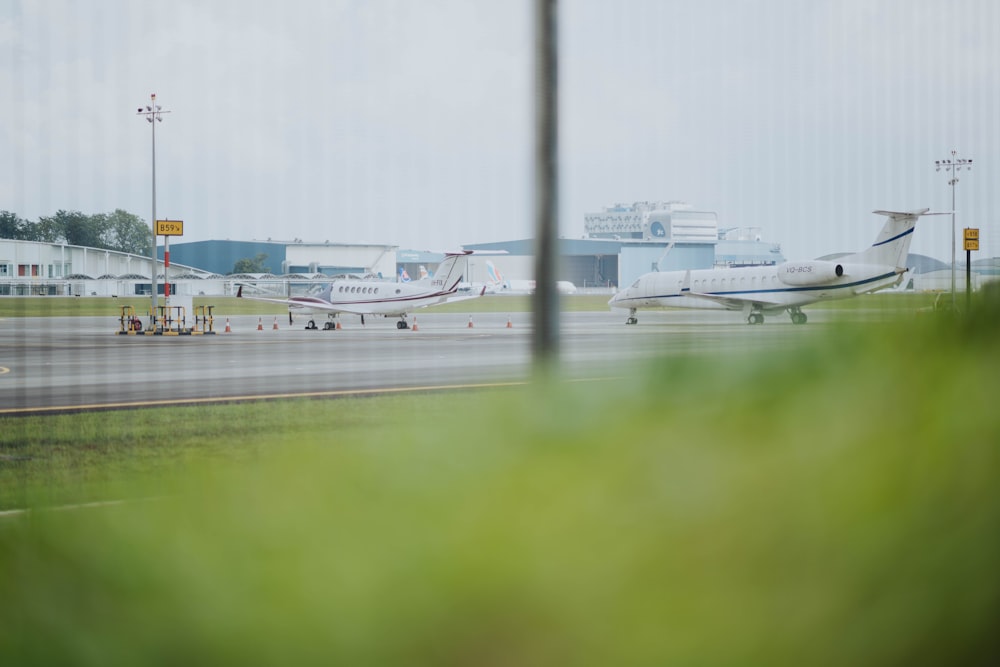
{"points": [[832, 505]]}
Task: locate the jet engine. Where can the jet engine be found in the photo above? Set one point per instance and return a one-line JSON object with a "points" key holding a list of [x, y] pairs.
{"points": [[815, 272]]}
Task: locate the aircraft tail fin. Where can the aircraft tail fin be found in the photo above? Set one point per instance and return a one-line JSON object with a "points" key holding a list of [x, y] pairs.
{"points": [[495, 277], [892, 244], [451, 271]]}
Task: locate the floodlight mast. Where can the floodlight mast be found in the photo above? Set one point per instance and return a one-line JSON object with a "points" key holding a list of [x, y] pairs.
{"points": [[953, 166], [153, 112]]}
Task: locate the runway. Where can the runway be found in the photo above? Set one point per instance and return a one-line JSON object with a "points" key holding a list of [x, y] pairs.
{"points": [[69, 364]]}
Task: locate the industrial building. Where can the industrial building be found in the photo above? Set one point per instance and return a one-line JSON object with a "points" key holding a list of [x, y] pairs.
{"points": [[38, 268]]}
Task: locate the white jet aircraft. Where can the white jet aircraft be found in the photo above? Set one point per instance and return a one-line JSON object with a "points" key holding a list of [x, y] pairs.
{"points": [[381, 297], [787, 286], [499, 285]]}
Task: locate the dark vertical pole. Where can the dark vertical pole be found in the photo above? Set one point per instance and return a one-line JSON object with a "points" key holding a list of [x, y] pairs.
{"points": [[545, 304], [968, 278]]}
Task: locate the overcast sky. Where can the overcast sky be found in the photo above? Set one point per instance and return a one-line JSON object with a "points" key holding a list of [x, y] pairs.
{"points": [[409, 122]]}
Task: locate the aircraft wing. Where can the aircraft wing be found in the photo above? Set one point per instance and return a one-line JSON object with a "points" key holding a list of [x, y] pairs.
{"points": [[311, 302], [463, 297], [733, 302]]}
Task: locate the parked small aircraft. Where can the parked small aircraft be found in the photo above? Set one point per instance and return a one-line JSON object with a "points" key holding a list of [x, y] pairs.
{"points": [[787, 286], [497, 284], [381, 297]]}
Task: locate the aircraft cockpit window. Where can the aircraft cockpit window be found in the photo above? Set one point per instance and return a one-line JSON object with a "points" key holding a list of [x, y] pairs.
{"points": [[635, 284]]}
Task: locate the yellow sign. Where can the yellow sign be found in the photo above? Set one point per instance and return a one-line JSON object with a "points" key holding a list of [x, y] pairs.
{"points": [[170, 228], [971, 238]]}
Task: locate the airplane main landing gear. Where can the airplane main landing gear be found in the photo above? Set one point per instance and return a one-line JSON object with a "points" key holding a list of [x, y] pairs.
{"points": [[798, 317], [310, 325], [402, 324], [755, 318]]}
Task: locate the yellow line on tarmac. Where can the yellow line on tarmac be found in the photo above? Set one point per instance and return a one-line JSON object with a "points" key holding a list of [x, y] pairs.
{"points": [[339, 393], [77, 506]]}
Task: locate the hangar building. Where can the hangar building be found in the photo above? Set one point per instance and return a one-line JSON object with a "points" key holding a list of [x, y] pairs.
{"points": [[624, 241], [287, 257]]}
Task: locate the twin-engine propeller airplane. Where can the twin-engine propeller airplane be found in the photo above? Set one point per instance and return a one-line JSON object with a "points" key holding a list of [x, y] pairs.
{"points": [[787, 286], [381, 297]]}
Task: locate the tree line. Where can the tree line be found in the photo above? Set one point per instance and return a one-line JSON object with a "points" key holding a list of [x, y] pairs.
{"points": [[120, 230]]}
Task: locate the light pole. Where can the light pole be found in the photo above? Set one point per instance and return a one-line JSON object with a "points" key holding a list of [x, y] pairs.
{"points": [[153, 111], [953, 166], [545, 303]]}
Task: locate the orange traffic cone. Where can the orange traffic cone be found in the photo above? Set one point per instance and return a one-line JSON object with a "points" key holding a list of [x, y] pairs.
{"points": [[228, 330], [275, 327], [470, 321], [509, 325], [338, 327], [260, 325], [414, 327]]}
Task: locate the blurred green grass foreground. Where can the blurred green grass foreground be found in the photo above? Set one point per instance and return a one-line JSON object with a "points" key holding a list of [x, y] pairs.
{"points": [[835, 504]]}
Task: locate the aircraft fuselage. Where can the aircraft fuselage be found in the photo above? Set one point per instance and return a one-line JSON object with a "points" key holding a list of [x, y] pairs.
{"points": [[770, 287]]}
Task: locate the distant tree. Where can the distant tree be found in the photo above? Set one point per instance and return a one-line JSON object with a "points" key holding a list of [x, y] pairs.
{"points": [[49, 229], [83, 230], [12, 226], [248, 265], [121, 230], [126, 232]]}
